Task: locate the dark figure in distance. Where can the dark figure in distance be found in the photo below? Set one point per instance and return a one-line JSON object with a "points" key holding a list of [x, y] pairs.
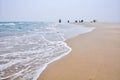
{"points": [[68, 21], [82, 21], [94, 21], [76, 21], [59, 20]]}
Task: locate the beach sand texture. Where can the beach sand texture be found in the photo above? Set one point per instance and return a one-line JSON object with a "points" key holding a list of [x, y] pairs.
{"points": [[94, 56]]}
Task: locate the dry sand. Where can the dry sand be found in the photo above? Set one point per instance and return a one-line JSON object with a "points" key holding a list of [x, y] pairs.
{"points": [[95, 56]]}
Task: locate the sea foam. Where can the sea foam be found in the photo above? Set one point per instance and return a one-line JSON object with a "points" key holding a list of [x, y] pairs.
{"points": [[7, 24], [24, 56]]}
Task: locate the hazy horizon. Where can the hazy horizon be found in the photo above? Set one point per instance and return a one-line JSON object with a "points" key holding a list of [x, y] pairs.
{"points": [[52, 10]]}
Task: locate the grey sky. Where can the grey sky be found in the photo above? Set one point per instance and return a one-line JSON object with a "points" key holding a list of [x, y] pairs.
{"points": [[52, 10]]}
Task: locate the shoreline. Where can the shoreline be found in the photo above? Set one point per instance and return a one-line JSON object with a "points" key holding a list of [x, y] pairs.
{"points": [[40, 71], [59, 47], [93, 61]]}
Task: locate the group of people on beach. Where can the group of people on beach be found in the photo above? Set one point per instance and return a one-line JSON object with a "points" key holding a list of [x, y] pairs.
{"points": [[77, 21]]}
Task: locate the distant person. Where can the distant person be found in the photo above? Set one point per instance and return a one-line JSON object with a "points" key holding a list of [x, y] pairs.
{"points": [[94, 21], [82, 21], [68, 21], [76, 21], [59, 20]]}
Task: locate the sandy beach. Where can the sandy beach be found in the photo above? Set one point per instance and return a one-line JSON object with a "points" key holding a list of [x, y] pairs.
{"points": [[94, 56]]}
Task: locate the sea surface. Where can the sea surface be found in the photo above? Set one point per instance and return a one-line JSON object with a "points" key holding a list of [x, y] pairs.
{"points": [[26, 48]]}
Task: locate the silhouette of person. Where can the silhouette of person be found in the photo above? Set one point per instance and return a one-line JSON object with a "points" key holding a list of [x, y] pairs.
{"points": [[68, 21], [59, 20], [76, 21], [94, 21], [82, 21]]}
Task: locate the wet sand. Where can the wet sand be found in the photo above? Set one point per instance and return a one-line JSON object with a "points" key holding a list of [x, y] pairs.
{"points": [[94, 56]]}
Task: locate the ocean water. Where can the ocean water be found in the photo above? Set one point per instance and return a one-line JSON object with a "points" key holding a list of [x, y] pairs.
{"points": [[26, 48]]}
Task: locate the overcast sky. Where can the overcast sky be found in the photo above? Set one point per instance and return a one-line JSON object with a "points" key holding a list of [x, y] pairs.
{"points": [[52, 10]]}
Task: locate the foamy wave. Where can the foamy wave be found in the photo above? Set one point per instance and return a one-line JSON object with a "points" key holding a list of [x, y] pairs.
{"points": [[25, 56], [8, 24], [72, 30]]}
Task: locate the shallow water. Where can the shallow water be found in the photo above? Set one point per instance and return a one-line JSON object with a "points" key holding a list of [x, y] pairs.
{"points": [[26, 48]]}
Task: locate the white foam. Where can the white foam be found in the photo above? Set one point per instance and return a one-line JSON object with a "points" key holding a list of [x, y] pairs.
{"points": [[8, 24], [80, 30], [45, 66], [72, 30], [38, 48]]}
